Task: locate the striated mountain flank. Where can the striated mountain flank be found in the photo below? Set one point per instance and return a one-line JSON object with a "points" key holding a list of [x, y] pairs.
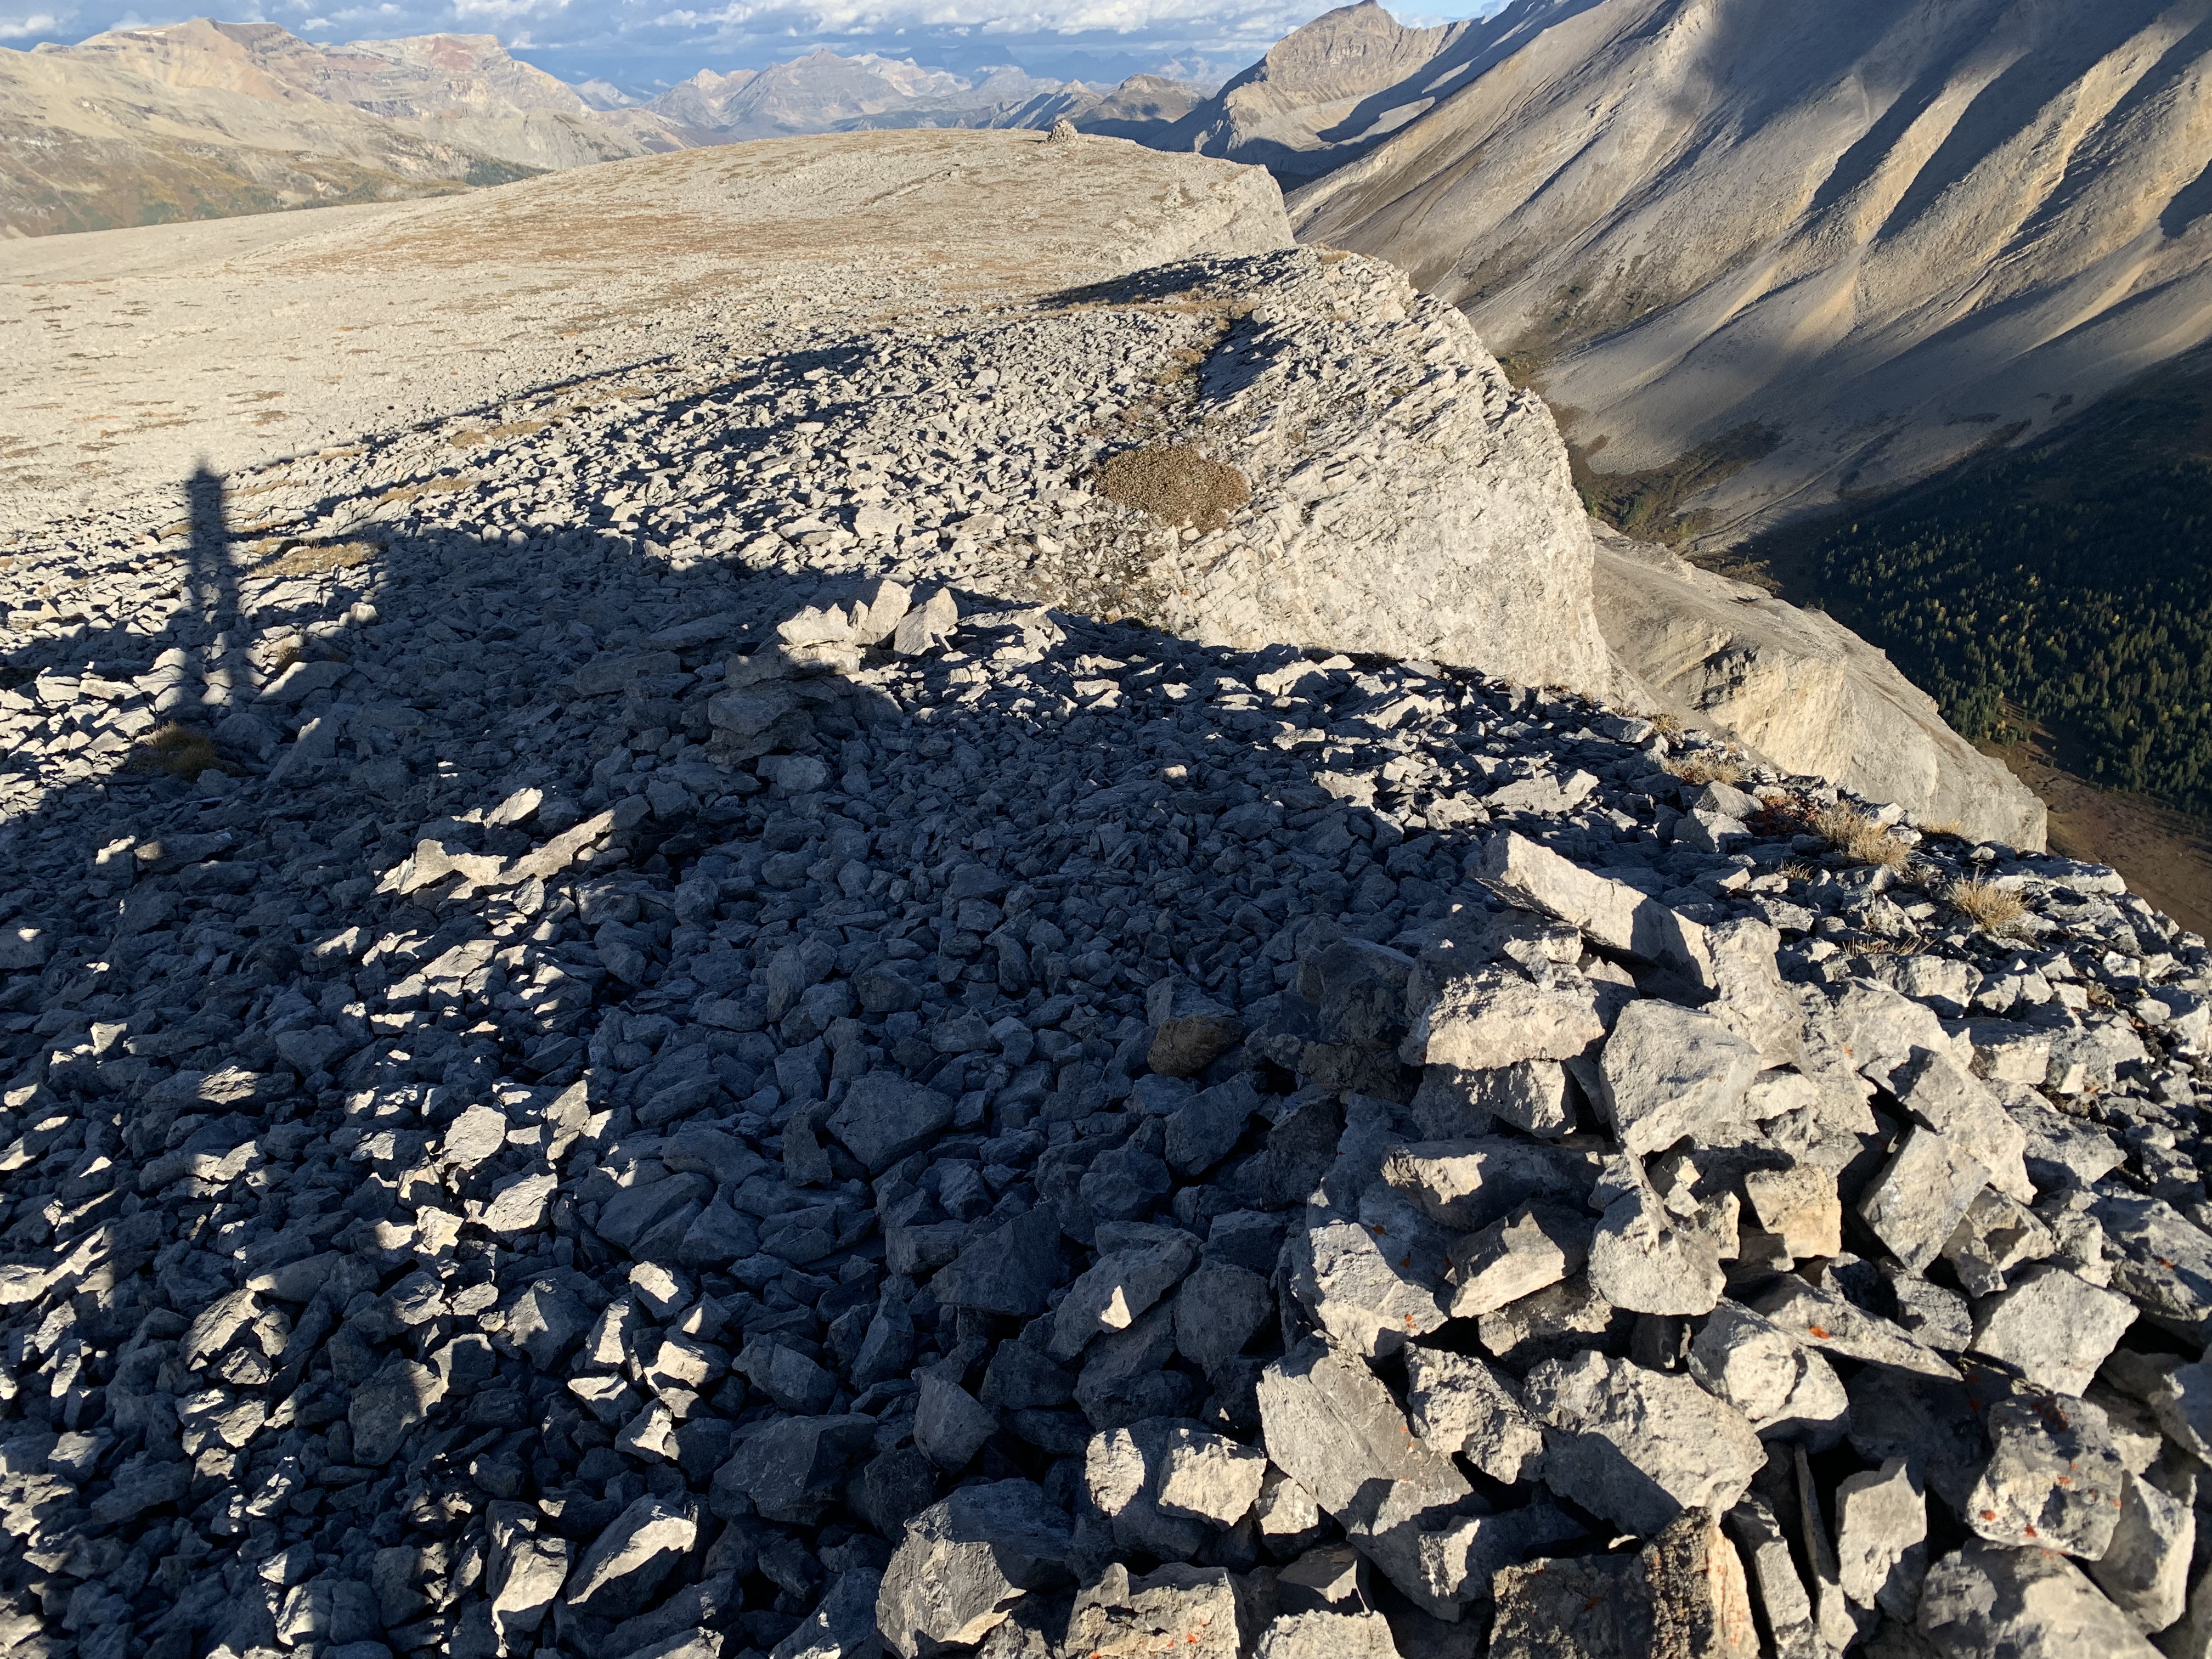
{"points": [[205, 120], [1855, 242]]}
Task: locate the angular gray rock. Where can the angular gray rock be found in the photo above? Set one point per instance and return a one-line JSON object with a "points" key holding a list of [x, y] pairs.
{"points": [[1462, 1408], [1371, 1282], [2055, 1478], [1175, 1609], [884, 1117], [1535, 1246], [1333, 1427], [1496, 1017], [1636, 1446], [1648, 1260], [950, 1424], [1121, 1285], [1990, 1599], [2053, 1327], [1923, 1194], [965, 1561], [2145, 1568], [1780, 1387], [1881, 1532], [1324, 1633], [1669, 1072], [618, 1573]]}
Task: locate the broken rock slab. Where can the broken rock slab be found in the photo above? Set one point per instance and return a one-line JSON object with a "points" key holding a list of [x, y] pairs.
{"points": [[1535, 1246], [1177, 1609], [1669, 1071], [964, 1562], [1825, 1322], [2159, 1259], [1636, 1446], [2055, 1478], [1497, 1018], [1325, 1633], [1611, 913], [1189, 1030], [1994, 1602], [1469, 1184], [1531, 1096], [1946, 1097], [1140, 1265], [1331, 1425], [1881, 1532]]}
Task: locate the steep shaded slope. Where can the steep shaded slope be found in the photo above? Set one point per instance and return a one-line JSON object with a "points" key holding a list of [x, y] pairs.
{"points": [[1873, 237], [2071, 581]]}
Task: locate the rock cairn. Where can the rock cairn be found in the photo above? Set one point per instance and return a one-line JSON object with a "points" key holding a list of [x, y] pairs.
{"points": [[688, 1098]]}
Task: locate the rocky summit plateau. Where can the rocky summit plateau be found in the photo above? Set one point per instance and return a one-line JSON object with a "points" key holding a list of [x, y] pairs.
{"points": [[901, 894]]}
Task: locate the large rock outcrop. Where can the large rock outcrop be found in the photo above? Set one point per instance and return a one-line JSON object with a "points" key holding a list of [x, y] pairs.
{"points": [[1799, 687], [1405, 499]]}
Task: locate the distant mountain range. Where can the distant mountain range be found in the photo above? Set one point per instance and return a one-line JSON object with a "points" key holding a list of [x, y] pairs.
{"points": [[205, 120]]}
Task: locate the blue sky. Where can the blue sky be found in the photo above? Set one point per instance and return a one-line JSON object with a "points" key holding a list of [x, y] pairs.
{"points": [[642, 42]]}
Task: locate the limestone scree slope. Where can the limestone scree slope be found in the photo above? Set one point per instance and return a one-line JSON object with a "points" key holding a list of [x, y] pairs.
{"points": [[660, 1019]]}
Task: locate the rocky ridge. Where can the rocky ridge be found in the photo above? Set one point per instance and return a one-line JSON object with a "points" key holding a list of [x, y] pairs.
{"points": [[664, 1039]]}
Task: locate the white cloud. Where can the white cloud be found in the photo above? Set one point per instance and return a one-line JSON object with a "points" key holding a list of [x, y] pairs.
{"points": [[32, 26], [756, 19], [500, 11]]}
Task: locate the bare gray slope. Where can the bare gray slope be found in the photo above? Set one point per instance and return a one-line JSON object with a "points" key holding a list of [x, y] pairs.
{"points": [[1888, 232], [1798, 686]]}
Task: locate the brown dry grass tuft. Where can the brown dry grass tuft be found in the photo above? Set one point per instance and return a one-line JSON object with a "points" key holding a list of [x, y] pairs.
{"points": [[1858, 836], [474, 436], [1701, 770], [315, 558], [1174, 483], [1992, 908], [182, 751], [1950, 828]]}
